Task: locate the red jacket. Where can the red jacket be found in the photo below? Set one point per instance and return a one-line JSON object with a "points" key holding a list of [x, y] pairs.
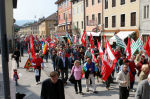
{"points": [[37, 62]]}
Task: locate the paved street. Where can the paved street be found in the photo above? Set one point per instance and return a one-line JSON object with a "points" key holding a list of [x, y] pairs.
{"points": [[28, 86]]}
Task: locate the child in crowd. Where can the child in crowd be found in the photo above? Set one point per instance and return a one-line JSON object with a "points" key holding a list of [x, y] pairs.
{"points": [[15, 76]]}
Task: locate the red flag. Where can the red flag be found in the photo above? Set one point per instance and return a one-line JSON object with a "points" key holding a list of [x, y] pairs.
{"points": [[147, 46], [128, 49], [109, 61], [32, 47], [91, 41], [83, 39], [101, 53]]}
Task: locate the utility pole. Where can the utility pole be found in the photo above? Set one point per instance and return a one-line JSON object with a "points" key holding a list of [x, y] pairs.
{"points": [[84, 15], [4, 50]]}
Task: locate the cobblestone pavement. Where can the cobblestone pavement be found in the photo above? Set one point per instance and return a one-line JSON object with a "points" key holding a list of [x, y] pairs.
{"points": [[28, 85]]}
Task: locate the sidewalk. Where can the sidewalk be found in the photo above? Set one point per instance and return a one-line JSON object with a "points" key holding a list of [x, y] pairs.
{"points": [[12, 83]]}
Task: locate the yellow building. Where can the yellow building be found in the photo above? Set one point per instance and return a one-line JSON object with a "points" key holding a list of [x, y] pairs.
{"points": [[47, 26], [25, 30], [121, 16], [77, 18]]}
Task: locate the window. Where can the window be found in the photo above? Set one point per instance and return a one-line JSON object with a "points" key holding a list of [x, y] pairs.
{"points": [[93, 17], [106, 22], [123, 20], [113, 3], [99, 1], [133, 19], [87, 19], [106, 4], [92, 2], [132, 0], [77, 10], [144, 12], [113, 21], [147, 11], [99, 18], [82, 24], [64, 16], [122, 2], [86, 3], [77, 25], [59, 17]]}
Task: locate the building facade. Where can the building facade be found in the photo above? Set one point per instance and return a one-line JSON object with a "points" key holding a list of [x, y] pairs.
{"points": [[35, 28], [121, 15], [9, 5], [77, 19], [64, 17], [144, 19], [47, 26], [93, 14]]}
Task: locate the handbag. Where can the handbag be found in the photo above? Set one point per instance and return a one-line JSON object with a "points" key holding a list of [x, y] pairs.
{"points": [[72, 78]]}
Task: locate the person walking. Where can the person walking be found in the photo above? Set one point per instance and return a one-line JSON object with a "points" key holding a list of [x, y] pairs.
{"points": [[89, 74], [37, 61], [63, 67], [53, 88], [124, 82], [144, 72], [77, 72], [17, 57], [143, 89]]}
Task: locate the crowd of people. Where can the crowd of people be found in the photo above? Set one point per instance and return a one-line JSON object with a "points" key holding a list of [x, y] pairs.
{"points": [[71, 60], [67, 60]]}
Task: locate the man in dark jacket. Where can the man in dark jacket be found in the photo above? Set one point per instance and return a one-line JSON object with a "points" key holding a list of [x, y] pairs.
{"points": [[63, 67], [17, 57], [52, 88]]}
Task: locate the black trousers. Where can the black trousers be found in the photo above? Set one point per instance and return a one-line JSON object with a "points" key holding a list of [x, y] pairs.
{"points": [[79, 84], [123, 92], [64, 75], [108, 81], [17, 61], [37, 78]]}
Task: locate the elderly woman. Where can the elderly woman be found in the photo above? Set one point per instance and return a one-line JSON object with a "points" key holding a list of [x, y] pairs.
{"points": [[144, 72]]}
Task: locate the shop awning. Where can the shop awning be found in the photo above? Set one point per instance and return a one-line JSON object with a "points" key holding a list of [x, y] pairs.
{"points": [[93, 33], [122, 35]]}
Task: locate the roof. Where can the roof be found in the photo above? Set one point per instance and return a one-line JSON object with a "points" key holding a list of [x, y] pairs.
{"points": [[52, 17], [58, 1]]}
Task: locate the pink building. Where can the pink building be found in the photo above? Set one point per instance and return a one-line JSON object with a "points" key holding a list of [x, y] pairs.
{"points": [[64, 12], [93, 15]]}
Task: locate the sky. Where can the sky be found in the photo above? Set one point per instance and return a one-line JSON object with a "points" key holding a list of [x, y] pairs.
{"points": [[34, 9]]}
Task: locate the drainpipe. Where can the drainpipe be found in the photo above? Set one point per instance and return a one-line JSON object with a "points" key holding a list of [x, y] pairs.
{"points": [[84, 15]]}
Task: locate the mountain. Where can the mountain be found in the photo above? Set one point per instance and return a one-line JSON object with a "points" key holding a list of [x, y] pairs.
{"points": [[22, 22]]}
